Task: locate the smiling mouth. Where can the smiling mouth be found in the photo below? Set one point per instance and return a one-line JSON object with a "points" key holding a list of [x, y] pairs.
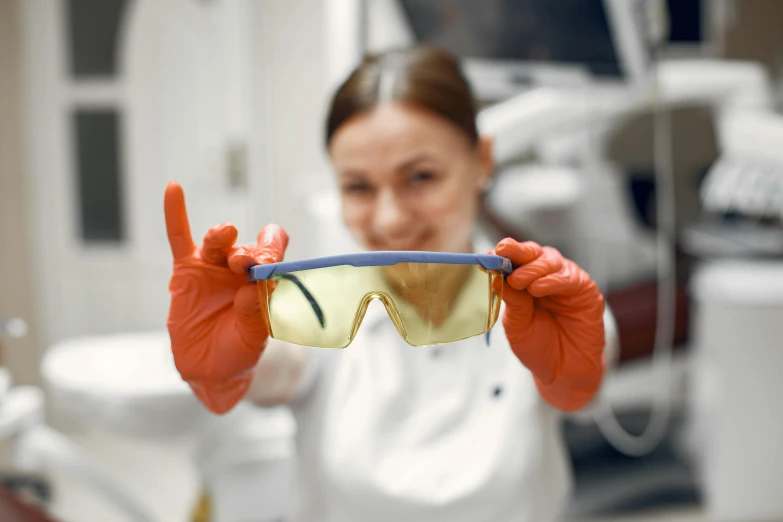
{"points": [[416, 245]]}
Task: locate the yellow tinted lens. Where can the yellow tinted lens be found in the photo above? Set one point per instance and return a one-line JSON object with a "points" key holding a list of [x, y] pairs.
{"points": [[442, 303], [314, 307], [428, 303]]}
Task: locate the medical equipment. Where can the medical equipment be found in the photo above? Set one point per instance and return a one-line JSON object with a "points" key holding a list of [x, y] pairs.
{"points": [[747, 179], [738, 289], [742, 193], [123, 383], [38, 447], [529, 120], [432, 297], [126, 385], [509, 46], [736, 427], [532, 121]]}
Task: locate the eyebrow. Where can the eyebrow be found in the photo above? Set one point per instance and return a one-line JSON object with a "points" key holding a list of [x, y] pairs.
{"points": [[423, 156]]}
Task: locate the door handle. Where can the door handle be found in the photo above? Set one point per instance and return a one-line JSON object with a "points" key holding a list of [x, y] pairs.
{"points": [[236, 165]]}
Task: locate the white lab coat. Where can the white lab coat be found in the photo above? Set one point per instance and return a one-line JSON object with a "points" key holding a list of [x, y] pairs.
{"points": [[392, 432]]}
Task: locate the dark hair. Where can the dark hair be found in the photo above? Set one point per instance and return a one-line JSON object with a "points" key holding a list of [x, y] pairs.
{"points": [[425, 76]]}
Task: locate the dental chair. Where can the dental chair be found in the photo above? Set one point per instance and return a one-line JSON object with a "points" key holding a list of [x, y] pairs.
{"points": [[38, 448], [570, 192], [737, 244], [126, 385]]}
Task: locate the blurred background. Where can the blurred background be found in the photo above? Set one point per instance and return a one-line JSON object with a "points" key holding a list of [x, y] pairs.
{"points": [[644, 138]]}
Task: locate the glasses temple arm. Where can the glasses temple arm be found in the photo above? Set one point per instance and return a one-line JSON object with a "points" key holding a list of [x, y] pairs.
{"points": [[313, 303]]}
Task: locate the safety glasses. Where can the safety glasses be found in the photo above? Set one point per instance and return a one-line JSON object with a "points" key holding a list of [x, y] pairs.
{"points": [[431, 297]]}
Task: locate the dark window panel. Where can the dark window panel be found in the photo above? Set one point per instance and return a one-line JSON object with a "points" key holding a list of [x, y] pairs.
{"points": [[99, 176], [93, 34]]}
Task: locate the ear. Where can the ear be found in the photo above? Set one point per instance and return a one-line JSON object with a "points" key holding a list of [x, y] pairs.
{"points": [[486, 160]]}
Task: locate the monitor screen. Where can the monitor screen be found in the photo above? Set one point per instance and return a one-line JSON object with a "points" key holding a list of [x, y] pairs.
{"points": [[556, 32], [685, 21]]}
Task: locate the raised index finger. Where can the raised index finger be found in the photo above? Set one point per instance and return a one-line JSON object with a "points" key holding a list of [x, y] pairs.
{"points": [[177, 226]]}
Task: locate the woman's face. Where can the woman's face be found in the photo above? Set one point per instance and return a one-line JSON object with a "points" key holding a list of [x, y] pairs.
{"points": [[409, 179]]}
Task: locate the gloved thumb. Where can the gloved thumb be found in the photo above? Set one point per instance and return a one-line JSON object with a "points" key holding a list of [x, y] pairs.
{"points": [[250, 318], [250, 315], [520, 308]]}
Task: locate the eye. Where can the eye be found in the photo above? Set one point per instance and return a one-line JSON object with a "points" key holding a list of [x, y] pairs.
{"points": [[422, 176], [356, 188]]}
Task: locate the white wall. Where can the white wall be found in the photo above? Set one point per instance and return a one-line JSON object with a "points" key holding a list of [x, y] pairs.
{"points": [[16, 290], [386, 26], [288, 101]]}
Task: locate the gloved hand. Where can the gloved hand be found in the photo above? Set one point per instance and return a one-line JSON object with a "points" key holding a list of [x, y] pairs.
{"points": [[554, 323], [215, 320]]}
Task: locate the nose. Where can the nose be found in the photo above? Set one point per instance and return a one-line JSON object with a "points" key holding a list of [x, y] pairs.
{"points": [[391, 218]]}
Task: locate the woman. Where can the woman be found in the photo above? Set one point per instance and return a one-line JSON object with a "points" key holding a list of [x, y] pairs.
{"points": [[387, 431]]}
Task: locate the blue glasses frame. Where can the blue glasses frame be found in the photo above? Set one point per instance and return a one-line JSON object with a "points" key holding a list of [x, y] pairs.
{"points": [[363, 259]]}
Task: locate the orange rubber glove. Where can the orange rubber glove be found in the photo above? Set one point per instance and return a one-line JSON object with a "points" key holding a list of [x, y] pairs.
{"points": [[554, 323], [215, 321]]}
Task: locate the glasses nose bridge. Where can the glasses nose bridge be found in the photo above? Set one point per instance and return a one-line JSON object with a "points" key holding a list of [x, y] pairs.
{"points": [[388, 304]]}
